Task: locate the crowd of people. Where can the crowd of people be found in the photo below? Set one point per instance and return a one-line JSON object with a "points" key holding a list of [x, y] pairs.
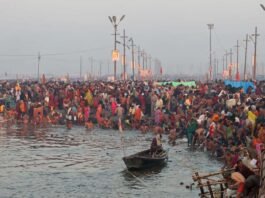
{"points": [[227, 122]]}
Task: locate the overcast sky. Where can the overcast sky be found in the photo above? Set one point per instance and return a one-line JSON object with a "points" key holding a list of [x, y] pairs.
{"points": [[174, 31]]}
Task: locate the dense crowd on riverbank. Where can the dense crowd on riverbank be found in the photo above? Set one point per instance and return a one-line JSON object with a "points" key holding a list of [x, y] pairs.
{"points": [[228, 122]]}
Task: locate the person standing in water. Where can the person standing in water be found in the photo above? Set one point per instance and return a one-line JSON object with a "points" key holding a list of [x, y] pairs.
{"points": [[120, 112]]}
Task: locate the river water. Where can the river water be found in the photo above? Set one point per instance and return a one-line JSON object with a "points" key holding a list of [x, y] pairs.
{"points": [[56, 162]]}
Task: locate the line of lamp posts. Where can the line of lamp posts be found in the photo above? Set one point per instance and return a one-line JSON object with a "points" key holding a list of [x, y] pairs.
{"points": [[115, 53], [248, 38], [228, 68]]}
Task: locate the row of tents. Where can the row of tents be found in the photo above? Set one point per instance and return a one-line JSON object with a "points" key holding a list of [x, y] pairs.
{"points": [[233, 84]]}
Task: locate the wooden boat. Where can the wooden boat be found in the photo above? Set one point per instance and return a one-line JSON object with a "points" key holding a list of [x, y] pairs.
{"points": [[144, 159]]}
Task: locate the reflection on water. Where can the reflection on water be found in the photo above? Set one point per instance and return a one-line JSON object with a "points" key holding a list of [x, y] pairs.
{"points": [[144, 172], [131, 175], [56, 162]]}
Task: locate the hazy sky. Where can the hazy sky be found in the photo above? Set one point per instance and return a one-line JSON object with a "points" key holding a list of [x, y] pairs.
{"points": [[174, 31]]}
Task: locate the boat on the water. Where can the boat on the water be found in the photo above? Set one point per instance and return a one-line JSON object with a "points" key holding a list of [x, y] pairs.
{"points": [[145, 159]]}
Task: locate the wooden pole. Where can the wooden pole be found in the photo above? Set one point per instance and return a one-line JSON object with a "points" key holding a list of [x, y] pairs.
{"points": [[212, 183], [214, 192], [222, 189], [199, 182], [210, 189], [196, 177]]}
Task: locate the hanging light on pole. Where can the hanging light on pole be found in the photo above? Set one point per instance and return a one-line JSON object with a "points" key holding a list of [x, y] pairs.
{"points": [[115, 53]]}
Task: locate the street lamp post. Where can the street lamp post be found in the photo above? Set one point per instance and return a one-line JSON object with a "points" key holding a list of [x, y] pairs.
{"points": [[210, 26], [245, 63], [80, 68], [143, 55], [237, 66], [255, 53], [124, 54], [115, 24], [139, 62], [38, 77], [133, 64], [231, 64]]}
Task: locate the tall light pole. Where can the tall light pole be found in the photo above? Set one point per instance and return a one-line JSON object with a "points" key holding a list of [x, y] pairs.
{"points": [[39, 57], [237, 67], [150, 64], [115, 24], [223, 65], [133, 64], [231, 64], [139, 61], [91, 67], [226, 62], [245, 63], [124, 55], [143, 55], [255, 53], [100, 67], [210, 26], [146, 61], [80, 69], [217, 68]]}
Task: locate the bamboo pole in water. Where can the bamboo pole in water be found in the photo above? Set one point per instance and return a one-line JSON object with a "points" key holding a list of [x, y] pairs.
{"points": [[212, 183], [210, 189], [222, 190], [215, 193], [196, 177], [199, 182]]}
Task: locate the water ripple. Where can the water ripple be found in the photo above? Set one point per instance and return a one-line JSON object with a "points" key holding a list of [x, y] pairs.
{"points": [[54, 162]]}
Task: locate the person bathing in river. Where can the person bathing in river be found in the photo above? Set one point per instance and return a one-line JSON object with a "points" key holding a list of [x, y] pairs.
{"points": [[144, 128], [172, 136], [156, 144], [120, 112], [190, 130], [89, 125], [198, 137]]}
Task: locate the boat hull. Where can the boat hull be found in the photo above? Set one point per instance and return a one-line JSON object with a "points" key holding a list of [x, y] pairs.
{"points": [[144, 159]]}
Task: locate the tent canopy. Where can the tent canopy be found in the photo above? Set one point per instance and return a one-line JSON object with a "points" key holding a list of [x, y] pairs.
{"points": [[238, 84], [175, 84]]}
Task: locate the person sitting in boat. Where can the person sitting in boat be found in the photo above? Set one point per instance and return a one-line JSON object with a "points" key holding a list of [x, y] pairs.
{"points": [[156, 144]]}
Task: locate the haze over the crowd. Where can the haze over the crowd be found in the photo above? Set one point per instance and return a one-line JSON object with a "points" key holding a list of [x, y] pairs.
{"points": [[174, 31]]}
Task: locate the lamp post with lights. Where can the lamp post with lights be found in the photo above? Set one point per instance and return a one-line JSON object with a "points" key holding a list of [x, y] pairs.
{"points": [[115, 24]]}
